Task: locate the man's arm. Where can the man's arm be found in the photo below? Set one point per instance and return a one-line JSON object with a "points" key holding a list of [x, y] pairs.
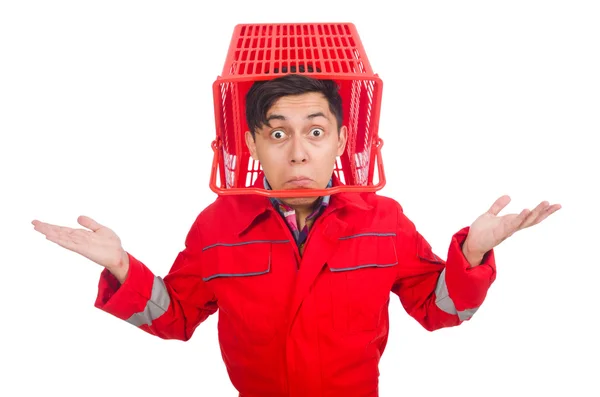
{"points": [[435, 292], [170, 308]]}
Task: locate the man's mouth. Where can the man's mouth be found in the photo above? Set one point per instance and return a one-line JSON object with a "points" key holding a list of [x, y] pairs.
{"points": [[299, 182]]}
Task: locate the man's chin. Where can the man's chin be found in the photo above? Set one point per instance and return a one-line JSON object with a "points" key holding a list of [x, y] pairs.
{"points": [[299, 201]]}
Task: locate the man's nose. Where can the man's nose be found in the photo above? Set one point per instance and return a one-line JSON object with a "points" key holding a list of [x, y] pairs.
{"points": [[298, 153]]}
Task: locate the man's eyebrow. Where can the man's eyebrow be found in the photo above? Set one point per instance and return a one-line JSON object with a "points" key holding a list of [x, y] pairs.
{"points": [[318, 114], [276, 116]]}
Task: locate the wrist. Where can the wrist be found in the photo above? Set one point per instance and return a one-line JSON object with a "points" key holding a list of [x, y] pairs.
{"points": [[121, 270], [474, 258]]}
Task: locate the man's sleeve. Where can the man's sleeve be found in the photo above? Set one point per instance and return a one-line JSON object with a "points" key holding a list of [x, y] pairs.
{"points": [[170, 308], [435, 292]]}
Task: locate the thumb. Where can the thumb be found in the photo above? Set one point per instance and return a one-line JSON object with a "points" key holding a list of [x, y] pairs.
{"points": [[499, 204], [88, 222]]}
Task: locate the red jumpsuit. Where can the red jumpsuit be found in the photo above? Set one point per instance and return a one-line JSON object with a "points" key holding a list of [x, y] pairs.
{"points": [[301, 325]]}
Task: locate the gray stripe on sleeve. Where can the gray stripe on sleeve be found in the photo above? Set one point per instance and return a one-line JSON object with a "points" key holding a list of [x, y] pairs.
{"points": [[445, 303], [155, 307]]}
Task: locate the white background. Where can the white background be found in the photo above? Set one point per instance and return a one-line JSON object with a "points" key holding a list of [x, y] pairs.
{"points": [[106, 110]]}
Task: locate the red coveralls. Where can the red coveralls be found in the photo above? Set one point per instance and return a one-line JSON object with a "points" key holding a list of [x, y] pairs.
{"points": [[301, 326]]}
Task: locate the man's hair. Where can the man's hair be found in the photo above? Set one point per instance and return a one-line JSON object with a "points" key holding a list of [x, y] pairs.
{"points": [[264, 93]]}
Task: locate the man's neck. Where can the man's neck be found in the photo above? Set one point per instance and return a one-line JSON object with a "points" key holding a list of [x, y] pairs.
{"points": [[302, 213]]}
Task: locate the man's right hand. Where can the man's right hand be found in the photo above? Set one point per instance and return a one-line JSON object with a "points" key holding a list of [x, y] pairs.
{"points": [[99, 244]]}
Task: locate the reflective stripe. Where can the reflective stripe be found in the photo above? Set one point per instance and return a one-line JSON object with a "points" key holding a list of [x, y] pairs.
{"points": [[155, 307], [466, 314], [345, 269], [444, 302], [367, 234], [238, 274], [244, 243]]}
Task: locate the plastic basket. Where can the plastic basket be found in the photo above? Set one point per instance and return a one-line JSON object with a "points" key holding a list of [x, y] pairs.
{"points": [[319, 50]]}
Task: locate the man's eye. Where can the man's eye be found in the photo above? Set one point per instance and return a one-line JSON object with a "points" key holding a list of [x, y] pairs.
{"points": [[277, 134], [316, 132]]}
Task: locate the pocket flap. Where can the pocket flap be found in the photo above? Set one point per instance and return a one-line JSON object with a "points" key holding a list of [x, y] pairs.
{"points": [[243, 259], [365, 250]]}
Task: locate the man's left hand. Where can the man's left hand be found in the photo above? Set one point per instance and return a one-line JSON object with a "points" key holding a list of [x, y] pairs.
{"points": [[489, 229]]}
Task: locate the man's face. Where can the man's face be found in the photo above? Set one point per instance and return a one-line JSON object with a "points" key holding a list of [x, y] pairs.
{"points": [[298, 149]]}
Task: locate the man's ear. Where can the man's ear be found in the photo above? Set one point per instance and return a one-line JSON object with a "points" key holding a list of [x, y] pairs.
{"points": [[342, 140], [251, 144]]}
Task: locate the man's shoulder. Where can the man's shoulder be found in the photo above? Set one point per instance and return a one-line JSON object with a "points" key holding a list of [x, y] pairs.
{"points": [[385, 202], [369, 208], [230, 212], [225, 206], [376, 202], [381, 209], [219, 204]]}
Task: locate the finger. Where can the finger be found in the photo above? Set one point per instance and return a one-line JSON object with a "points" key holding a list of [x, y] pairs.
{"points": [[73, 239], [553, 208], [499, 204], [37, 225], [546, 213], [513, 225], [60, 234], [63, 241], [88, 222], [535, 214], [46, 228]]}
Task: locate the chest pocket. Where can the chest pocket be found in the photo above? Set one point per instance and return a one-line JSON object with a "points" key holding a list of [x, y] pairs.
{"points": [[362, 273], [241, 276]]}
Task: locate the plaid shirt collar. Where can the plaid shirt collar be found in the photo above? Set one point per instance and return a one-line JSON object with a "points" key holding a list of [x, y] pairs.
{"points": [[289, 214]]}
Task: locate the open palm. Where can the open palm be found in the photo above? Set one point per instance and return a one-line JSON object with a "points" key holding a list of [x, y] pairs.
{"points": [[99, 244], [489, 229]]}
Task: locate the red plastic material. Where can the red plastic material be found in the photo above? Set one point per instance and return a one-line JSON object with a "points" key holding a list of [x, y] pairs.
{"points": [[319, 50]]}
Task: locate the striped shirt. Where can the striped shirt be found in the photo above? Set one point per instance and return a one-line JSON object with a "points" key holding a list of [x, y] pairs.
{"points": [[289, 215]]}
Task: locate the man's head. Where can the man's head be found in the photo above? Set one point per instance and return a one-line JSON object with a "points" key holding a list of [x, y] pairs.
{"points": [[296, 132]]}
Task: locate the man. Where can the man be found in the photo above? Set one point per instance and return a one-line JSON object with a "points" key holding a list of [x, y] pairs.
{"points": [[302, 284]]}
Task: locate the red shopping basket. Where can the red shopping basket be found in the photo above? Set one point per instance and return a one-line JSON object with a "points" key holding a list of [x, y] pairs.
{"points": [[319, 50]]}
